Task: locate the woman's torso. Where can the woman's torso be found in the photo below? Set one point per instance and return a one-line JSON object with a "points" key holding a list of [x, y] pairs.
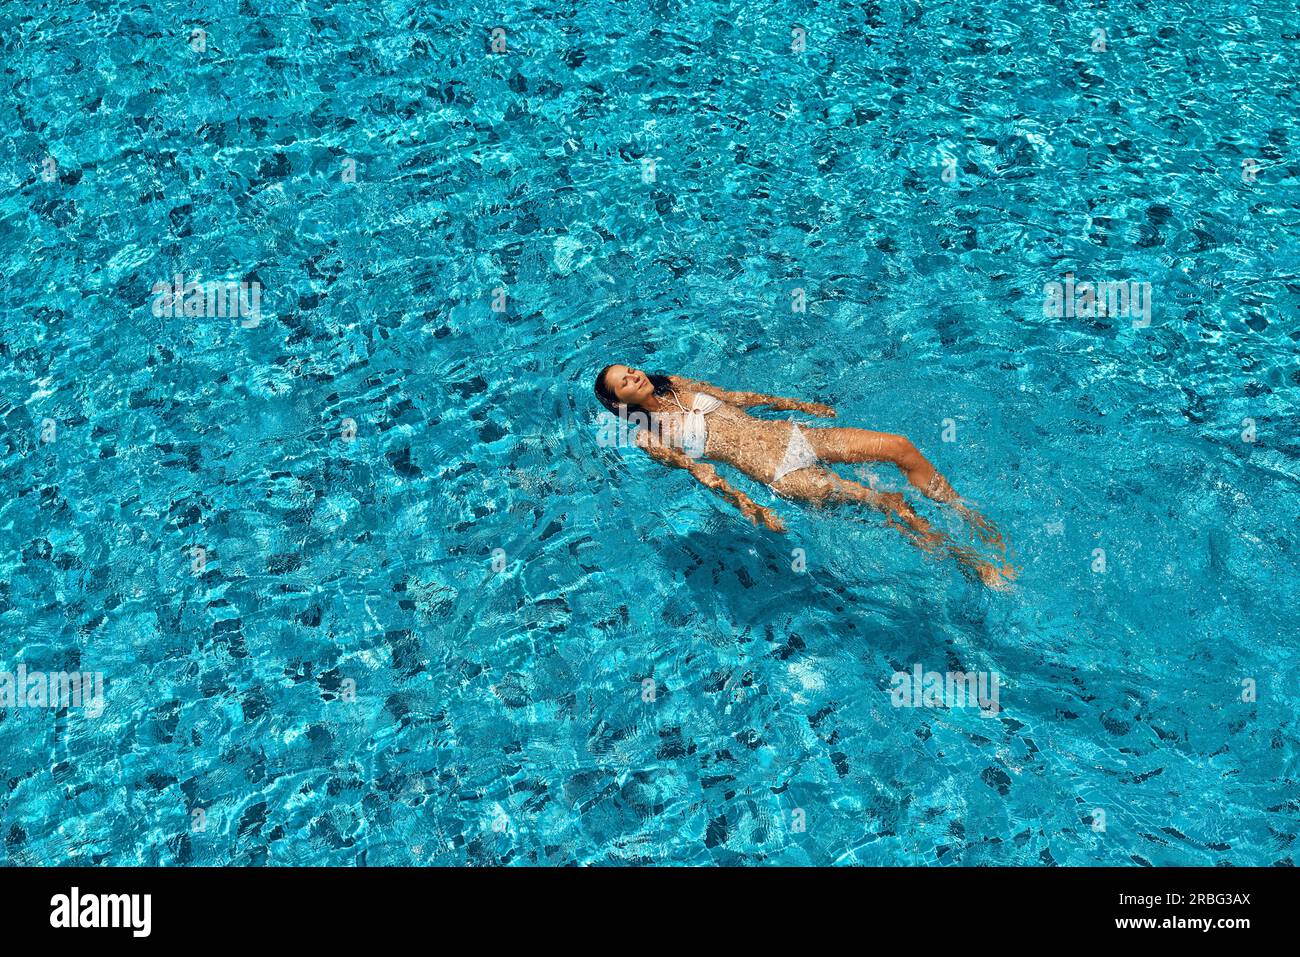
{"points": [[755, 446]]}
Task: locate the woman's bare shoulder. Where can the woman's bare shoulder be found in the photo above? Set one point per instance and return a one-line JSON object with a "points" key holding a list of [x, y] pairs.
{"points": [[683, 384]]}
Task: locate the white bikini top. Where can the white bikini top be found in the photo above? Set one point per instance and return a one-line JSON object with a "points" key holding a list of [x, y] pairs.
{"points": [[686, 430]]}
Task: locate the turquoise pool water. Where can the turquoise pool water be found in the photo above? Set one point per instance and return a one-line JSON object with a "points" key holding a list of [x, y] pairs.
{"points": [[365, 589]]}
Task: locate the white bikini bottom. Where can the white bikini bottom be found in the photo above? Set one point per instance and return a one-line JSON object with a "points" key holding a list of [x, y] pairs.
{"points": [[799, 454]]}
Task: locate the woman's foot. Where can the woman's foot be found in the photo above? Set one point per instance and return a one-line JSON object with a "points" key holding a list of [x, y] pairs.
{"points": [[998, 578]]}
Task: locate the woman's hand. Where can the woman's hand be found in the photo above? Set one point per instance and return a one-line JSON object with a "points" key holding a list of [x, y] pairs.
{"points": [[816, 408], [708, 476], [757, 513], [812, 408], [771, 520]]}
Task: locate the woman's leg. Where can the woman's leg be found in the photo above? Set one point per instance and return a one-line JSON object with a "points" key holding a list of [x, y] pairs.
{"points": [[862, 445], [822, 486]]}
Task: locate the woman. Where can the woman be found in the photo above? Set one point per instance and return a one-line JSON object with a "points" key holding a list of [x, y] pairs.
{"points": [[687, 420]]}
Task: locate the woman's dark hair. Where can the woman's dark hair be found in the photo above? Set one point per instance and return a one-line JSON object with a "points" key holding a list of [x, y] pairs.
{"points": [[610, 401]]}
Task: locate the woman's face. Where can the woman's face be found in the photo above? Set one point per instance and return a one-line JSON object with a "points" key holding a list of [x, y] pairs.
{"points": [[630, 386]]}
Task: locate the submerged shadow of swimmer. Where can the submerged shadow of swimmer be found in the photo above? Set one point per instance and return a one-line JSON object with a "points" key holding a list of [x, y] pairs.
{"points": [[744, 582], [681, 421]]}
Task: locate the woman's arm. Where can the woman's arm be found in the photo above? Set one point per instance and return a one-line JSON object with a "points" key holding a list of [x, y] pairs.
{"points": [[708, 476], [754, 398]]}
